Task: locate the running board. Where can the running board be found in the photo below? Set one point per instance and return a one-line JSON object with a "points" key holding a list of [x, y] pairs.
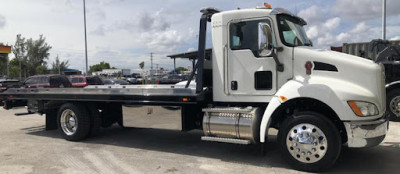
{"points": [[225, 140]]}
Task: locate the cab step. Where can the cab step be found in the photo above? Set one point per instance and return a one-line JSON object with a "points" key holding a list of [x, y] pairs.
{"points": [[226, 140]]}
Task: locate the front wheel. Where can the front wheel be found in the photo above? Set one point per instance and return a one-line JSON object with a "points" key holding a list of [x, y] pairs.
{"points": [[393, 104], [309, 141]]}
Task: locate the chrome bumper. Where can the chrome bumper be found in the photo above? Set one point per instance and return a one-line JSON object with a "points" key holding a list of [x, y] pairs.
{"points": [[367, 133]]}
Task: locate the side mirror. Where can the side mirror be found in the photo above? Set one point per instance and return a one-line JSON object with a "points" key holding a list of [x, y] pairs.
{"points": [[311, 44], [264, 39]]}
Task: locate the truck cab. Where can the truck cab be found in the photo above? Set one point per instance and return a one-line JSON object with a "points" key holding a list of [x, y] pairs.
{"points": [[263, 58]]}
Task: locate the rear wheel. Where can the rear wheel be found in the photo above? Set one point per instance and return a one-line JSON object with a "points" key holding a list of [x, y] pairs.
{"points": [[309, 141], [73, 122]]}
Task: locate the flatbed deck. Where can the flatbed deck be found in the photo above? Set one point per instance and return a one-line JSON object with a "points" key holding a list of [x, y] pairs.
{"points": [[140, 94]]}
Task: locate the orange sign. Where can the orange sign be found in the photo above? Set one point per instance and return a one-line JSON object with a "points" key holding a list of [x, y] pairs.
{"points": [[5, 49]]}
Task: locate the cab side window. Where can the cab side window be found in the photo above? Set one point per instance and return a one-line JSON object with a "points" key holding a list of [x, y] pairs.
{"points": [[30, 81], [244, 35]]}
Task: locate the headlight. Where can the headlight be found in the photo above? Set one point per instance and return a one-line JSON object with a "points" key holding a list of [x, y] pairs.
{"points": [[361, 108]]}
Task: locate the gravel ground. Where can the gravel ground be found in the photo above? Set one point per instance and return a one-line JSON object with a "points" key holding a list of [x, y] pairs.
{"points": [[27, 148]]}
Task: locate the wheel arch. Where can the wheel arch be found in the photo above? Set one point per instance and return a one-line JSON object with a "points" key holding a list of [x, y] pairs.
{"points": [[290, 107], [392, 86]]}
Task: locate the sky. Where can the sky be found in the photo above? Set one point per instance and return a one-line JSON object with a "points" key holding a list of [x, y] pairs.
{"points": [[125, 32]]}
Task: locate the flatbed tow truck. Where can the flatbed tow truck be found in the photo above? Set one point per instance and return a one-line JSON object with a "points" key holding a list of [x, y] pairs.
{"points": [[261, 73]]}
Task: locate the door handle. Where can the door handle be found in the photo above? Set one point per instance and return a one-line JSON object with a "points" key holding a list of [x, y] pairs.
{"points": [[234, 85]]}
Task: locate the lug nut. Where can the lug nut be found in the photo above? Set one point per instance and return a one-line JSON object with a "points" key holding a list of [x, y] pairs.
{"points": [[298, 150], [303, 153], [314, 150], [308, 153]]}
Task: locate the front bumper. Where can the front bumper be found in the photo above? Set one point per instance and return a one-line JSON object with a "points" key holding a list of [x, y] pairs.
{"points": [[366, 133]]}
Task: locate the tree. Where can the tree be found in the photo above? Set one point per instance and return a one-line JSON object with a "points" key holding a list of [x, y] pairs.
{"points": [[37, 54], [58, 66], [41, 69], [3, 61], [19, 50], [181, 69], [141, 65], [99, 67], [14, 71]]}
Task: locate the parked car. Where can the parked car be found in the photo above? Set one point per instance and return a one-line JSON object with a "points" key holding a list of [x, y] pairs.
{"points": [[137, 79], [8, 83], [172, 79], [47, 81], [115, 82], [83, 81]]}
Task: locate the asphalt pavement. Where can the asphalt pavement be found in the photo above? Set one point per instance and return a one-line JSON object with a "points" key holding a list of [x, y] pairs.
{"points": [[25, 147]]}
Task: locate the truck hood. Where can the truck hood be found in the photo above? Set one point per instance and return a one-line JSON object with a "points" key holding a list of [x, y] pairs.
{"points": [[354, 77]]}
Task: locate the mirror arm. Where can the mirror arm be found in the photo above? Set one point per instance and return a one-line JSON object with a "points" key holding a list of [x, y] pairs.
{"points": [[279, 65]]}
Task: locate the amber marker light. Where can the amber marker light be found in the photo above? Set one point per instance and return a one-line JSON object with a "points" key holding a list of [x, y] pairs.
{"points": [[185, 99], [283, 98], [267, 5], [355, 108]]}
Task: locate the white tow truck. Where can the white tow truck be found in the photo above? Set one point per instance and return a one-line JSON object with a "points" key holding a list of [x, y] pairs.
{"points": [[261, 73]]}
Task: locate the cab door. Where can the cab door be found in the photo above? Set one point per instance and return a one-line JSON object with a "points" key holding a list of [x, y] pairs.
{"points": [[248, 73]]}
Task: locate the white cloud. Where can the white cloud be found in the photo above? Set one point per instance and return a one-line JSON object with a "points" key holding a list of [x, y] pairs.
{"points": [[312, 15], [164, 41], [2, 21], [393, 31], [332, 24], [100, 31], [360, 33], [395, 38], [320, 26], [364, 9], [155, 22], [327, 30], [191, 49], [312, 32], [145, 22]]}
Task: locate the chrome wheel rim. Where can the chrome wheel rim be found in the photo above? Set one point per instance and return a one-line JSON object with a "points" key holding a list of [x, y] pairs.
{"points": [[395, 106], [306, 143], [69, 122]]}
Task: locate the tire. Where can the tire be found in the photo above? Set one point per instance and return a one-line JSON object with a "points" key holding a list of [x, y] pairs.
{"points": [[95, 120], [393, 104], [318, 142], [73, 122]]}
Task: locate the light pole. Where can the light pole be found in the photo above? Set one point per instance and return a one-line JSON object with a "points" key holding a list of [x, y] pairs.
{"points": [[383, 19], [84, 20], [20, 67]]}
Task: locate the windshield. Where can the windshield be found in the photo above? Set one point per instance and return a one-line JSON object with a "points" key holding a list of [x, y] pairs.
{"points": [[292, 32]]}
